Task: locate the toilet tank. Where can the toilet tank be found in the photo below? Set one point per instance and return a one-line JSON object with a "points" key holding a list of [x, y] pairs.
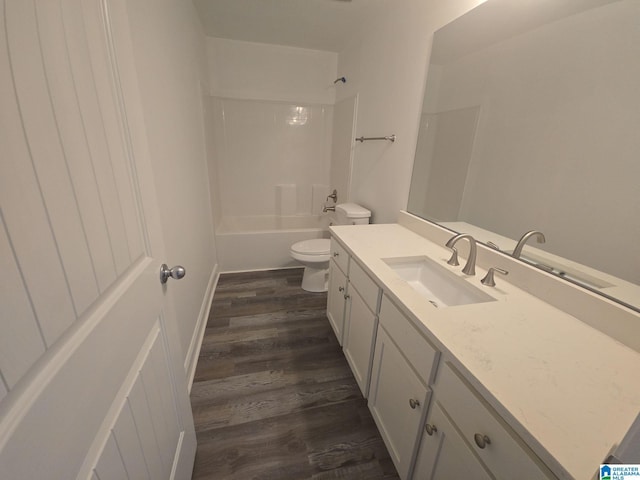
{"points": [[352, 214]]}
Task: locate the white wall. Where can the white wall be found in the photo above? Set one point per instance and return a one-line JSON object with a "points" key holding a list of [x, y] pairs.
{"points": [[169, 49], [270, 72], [386, 67]]}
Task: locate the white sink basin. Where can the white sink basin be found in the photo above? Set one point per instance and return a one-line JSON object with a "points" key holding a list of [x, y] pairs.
{"points": [[436, 283]]}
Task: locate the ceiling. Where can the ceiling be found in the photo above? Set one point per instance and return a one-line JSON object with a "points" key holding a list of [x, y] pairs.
{"points": [[315, 24]]}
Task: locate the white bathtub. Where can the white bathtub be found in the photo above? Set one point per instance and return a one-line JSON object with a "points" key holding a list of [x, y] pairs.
{"points": [[263, 242]]}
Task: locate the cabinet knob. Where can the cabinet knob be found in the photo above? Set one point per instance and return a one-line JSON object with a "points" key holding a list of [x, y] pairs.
{"points": [[481, 440], [336, 254], [341, 289], [431, 429], [414, 403], [347, 297]]}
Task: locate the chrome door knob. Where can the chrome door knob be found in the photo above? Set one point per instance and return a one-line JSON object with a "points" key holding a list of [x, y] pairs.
{"points": [[176, 272]]}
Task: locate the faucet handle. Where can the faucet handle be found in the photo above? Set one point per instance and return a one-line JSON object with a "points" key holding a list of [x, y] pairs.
{"points": [[488, 279], [454, 257], [493, 245]]}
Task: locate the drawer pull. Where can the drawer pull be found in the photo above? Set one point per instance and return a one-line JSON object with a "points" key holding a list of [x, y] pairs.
{"points": [[413, 403], [482, 440], [431, 429], [341, 289], [336, 254], [347, 297]]}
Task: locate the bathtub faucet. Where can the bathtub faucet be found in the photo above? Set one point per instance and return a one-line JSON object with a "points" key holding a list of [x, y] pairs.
{"points": [[326, 209], [334, 195]]}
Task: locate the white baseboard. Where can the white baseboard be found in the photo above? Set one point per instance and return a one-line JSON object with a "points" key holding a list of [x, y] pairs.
{"points": [[191, 359]]}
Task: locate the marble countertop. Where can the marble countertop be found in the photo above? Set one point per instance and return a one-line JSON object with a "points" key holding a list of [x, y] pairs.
{"points": [[569, 390]]}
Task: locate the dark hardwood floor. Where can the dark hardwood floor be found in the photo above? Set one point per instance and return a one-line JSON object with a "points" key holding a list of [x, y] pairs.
{"points": [[273, 396]]}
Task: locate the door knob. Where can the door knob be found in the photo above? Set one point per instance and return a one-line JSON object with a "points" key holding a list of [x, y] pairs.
{"points": [[176, 273]]}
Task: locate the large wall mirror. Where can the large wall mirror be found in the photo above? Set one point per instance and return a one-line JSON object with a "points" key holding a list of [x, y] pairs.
{"points": [[531, 121]]}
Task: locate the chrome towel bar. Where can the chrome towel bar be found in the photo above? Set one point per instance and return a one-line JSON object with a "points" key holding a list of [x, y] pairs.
{"points": [[391, 138]]}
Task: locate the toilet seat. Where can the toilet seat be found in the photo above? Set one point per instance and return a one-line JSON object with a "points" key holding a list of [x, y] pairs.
{"points": [[318, 246], [316, 250]]}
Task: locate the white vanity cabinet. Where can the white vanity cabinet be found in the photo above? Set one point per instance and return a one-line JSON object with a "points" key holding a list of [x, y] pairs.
{"points": [[490, 379], [337, 290], [403, 365], [464, 437]]}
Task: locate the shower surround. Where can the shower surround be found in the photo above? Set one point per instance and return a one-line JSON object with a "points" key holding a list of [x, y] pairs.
{"points": [[271, 162]]}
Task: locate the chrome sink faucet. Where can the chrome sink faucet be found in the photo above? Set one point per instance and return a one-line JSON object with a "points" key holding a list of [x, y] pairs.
{"points": [[470, 267], [531, 233]]}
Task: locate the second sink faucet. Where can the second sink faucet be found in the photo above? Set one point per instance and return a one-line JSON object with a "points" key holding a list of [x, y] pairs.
{"points": [[531, 233], [470, 267]]}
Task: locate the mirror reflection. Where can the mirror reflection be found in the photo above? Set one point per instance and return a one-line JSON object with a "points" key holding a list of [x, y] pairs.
{"points": [[531, 121]]}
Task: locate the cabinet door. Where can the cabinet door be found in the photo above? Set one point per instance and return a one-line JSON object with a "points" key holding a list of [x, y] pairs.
{"points": [[337, 291], [359, 329], [495, 444], [397, 400], [443, 455]]}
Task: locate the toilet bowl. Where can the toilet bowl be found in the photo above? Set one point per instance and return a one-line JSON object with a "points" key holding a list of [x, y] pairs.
{"points": [[314, 255]]}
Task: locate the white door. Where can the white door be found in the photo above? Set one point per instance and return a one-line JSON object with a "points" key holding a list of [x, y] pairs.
{"points": [[88, 381]]}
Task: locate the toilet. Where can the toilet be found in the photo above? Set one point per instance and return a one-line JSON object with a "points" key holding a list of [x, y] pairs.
{"points": [[315, 254]]}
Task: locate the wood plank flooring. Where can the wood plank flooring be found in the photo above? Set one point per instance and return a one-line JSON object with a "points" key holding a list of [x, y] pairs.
{"points": [[273, 396]]}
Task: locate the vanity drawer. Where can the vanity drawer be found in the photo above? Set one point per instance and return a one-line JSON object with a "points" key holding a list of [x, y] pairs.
{"points": [[422, 356], [366, 287], [340, 255], [497, 445]]}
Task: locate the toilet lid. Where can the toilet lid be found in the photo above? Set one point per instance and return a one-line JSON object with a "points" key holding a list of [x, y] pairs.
{"points": [[320, 246]]}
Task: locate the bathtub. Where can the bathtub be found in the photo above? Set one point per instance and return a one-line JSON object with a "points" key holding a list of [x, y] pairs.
{"points": [[263, 242]]}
